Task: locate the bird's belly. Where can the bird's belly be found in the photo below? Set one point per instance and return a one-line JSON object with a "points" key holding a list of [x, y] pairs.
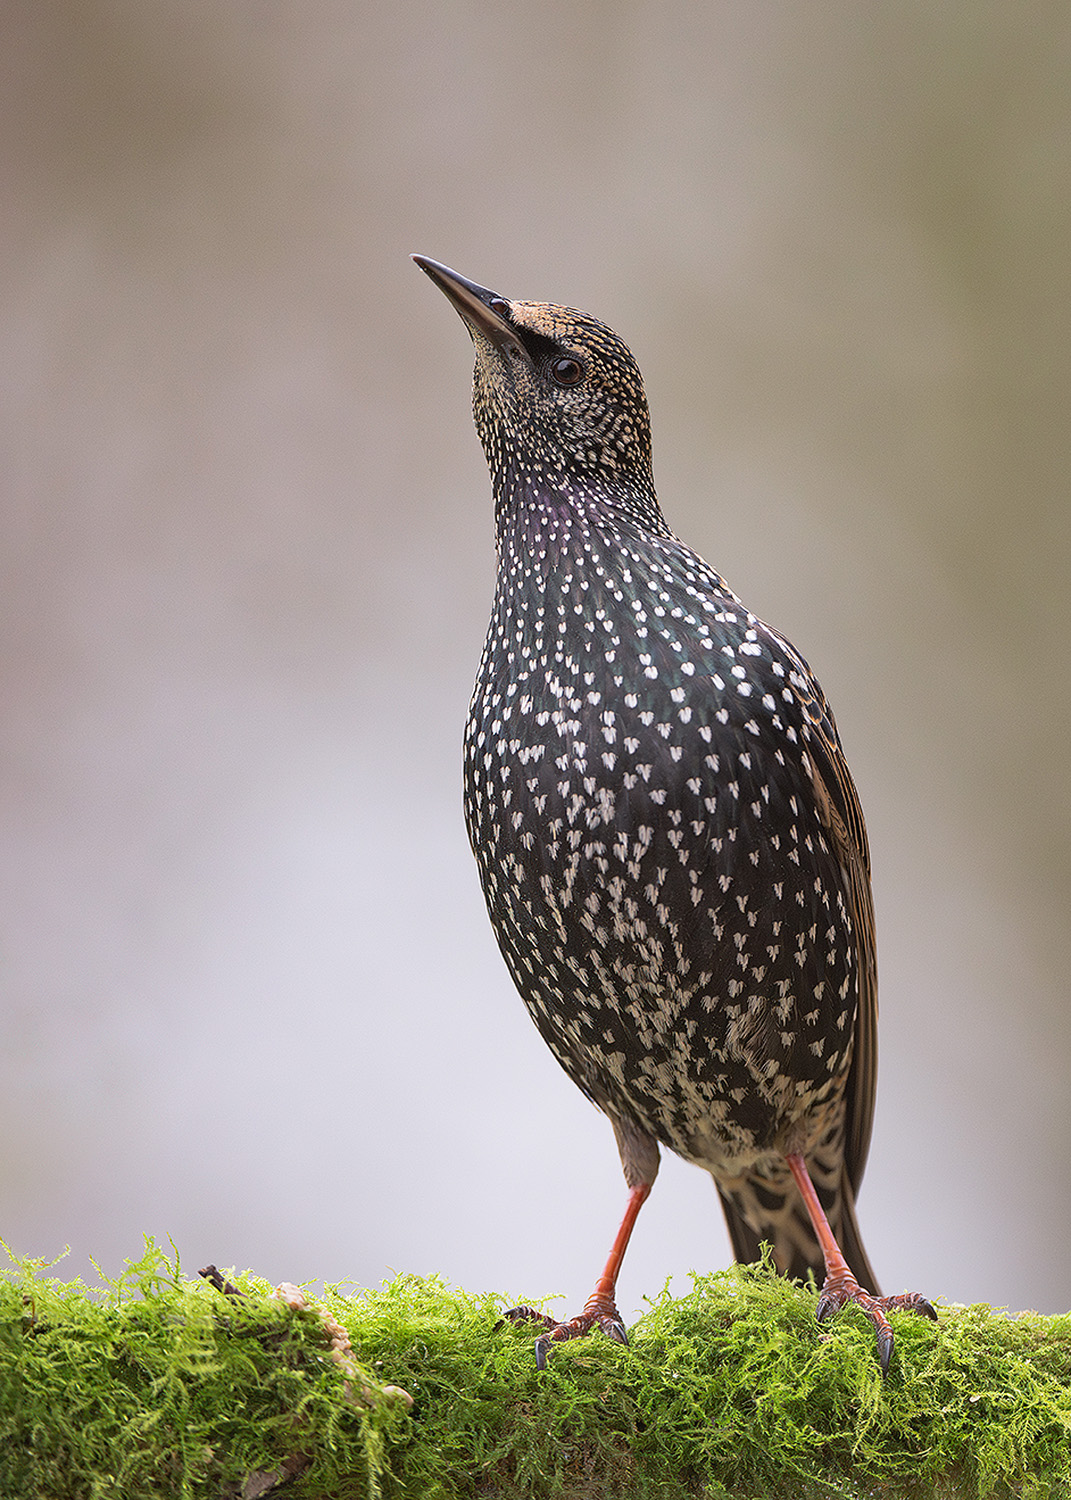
{"points": [[687, 957]]}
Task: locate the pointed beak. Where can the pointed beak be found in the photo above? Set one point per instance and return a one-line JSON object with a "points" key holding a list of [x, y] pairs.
{"points": [[483, 311]]}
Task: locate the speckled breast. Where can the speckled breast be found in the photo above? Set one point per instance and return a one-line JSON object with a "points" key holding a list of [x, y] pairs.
{"points": [[659, 881]]}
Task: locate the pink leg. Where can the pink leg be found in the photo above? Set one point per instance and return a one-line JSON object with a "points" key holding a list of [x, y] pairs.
{"points": [[840, 1285], [600, 1310]]}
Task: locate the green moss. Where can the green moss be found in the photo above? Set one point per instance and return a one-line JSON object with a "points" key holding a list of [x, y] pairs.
{"points": [[161, 1386]]}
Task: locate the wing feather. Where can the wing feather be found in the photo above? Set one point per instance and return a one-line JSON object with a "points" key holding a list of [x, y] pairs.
{"points": [[842, 816]]}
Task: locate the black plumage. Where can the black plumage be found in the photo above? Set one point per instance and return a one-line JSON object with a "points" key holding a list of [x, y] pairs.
{"points": [[669, 839]]}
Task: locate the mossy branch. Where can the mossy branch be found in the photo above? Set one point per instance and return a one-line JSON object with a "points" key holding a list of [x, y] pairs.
{"points": [[163, 1386]]}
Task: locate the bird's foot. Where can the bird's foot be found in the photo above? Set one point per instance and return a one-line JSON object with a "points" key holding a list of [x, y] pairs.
{"points": [[599, 1312], [841, 1289]]}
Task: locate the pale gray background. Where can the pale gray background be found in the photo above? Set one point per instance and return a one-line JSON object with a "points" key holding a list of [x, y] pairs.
{"points": [[250, 996]]}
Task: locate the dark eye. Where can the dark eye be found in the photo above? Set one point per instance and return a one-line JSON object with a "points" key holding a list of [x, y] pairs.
{"points": [[501, 307], [567, 371]]}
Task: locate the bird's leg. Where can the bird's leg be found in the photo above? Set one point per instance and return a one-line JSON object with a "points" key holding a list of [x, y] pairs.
{"points": [[600, 1310], [840, 1286]]}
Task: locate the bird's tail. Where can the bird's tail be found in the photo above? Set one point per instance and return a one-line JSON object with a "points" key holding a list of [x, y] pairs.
{"points": [[759, 1209]]}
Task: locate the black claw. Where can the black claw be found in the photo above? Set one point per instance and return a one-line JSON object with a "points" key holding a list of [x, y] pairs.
{"points": [[885, 1348], [827, 1306], [542, 1344], [927, 1309], [615, 1329]]}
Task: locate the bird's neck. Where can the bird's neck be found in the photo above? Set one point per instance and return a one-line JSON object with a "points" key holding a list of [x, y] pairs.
{"points": [[542, 522]]}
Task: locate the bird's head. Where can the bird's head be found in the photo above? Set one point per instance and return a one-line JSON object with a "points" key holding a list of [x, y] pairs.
{"points": [[557, 397]]}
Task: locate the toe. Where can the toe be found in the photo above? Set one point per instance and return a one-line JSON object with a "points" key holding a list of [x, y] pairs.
{"points": [[911, 1302], [524, 1314]]}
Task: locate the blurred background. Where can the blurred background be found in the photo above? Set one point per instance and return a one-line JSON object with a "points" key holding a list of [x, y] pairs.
{"points": [[250, 997]]}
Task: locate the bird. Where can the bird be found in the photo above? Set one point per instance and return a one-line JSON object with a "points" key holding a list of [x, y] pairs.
{"points": [[670, 843]]}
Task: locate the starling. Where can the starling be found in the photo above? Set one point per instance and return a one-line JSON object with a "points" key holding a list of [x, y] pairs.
{"points": [[669, 840]]}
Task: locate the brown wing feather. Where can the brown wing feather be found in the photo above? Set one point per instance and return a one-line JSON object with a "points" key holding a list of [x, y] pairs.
{"points": [[839, 809], [849, 840], [841, 813]]}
